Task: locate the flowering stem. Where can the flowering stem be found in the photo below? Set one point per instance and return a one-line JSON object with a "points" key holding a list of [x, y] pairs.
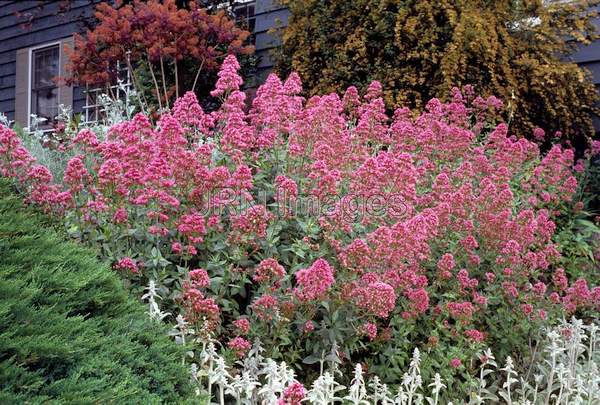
{"points": [[176, 78], [321, 364], [200, 376], [560, 391], [550, 378], [197, 75], [155, 82], [481, 377], [142, 99], [210, 370], [533, 359], [164, 81], [590, 360]]}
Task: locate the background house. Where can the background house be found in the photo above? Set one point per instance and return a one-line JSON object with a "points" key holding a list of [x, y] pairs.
{"points": [[33, 35], [32, 39], [262, 17], [589, 57]]}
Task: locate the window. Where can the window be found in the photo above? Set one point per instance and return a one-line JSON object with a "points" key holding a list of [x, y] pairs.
{"points": [[45, 68], [37, 90], [245, 17]]}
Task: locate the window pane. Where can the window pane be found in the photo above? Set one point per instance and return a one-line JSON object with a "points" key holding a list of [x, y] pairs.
{"points": [[44, 90], [45, 67], [45, 104]]}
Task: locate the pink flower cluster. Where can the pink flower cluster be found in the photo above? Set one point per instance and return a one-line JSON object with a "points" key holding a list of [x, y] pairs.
{"points": [[266, 307], [228, 80], [128, 264], [269, 271], [369, 329], [293, 394], [200, 309], [376, 298], [430, 217], [242, 326], [314, 282], [240, 346], [199, 278]]}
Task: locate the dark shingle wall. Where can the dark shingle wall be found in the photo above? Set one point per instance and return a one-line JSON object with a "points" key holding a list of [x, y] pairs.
{"points": [[49, 23]]}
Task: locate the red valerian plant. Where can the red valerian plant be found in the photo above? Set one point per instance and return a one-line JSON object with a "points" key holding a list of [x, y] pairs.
{"points": [[159, 42], [325, 226]]}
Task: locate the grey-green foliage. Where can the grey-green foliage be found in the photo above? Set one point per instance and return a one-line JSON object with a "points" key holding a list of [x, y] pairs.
{"points": [[54, 160], [69, 331]]}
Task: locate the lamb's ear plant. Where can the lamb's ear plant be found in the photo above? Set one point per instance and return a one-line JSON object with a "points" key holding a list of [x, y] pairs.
{"points": [[254, 360], [242, 388], [5, 121], [181, 330], [357, 392], [573, 378], [274, 384], [220, 376], [436, 387], [380, 393], [34, 140], [115, 109], [325, 390], [154, 311], [408, 391], [510, 380]]}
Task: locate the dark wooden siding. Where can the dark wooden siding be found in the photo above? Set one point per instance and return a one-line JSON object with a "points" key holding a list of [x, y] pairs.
{"points": [[49, 23], [269, 15], [588, 57]]}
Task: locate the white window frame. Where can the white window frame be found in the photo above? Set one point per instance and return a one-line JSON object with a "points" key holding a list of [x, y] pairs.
{"points": [[29, 77]]}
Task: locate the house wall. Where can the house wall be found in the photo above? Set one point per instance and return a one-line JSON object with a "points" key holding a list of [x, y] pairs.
{"points": [[269, 14], [51, 24], [48, 25], [588, 57]]}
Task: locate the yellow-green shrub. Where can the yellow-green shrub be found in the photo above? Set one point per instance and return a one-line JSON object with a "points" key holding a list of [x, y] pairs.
{"points": [[421, 49]]}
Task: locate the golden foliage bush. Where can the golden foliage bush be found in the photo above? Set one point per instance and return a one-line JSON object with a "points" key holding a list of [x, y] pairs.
{"points": [[419, 49]]}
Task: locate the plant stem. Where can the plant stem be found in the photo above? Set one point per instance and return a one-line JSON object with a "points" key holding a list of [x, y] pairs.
{"points": [[142, 99], [197, 75], [176, 79], [164, 81], [590, 359], [550, 379], [532, 360], [210, 370], [110, 90], [155, 82]]}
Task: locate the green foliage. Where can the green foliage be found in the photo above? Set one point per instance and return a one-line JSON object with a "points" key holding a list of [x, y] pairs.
{"points": [[578, 234], [421, 49], [69, 332]]}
